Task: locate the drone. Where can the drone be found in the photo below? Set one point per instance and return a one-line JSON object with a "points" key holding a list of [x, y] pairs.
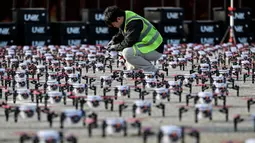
{"points": [[205, 98], [40, 69], [20, 83], [175, 87], [101, 67], [186, 80], [73, 78], [202, 111], [250, 67], [51, 85], [92, 101], [139, 75], [141, 107], [250, 102], [71, 116], [236, 70], [14, 63], [125, 90], [24, 111], [252, 75], [22, 94], [152, 83], [122, 91], [121, 62], [50, 76], [20, 74], [153, 75], [127, 74], [161, 93], [54, 97], [181, 62], [162, 59], [47, 136], [79, 88], [219, 85], [68, 70], [92, 122], [241, 118], [115, 125], [172, 133]]}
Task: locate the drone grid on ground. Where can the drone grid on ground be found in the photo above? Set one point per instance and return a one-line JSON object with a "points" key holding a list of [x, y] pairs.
{"points": [[217, 130]]}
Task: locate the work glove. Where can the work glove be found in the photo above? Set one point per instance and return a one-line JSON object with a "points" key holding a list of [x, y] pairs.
{"points": [[109, 44], [112, 48]]}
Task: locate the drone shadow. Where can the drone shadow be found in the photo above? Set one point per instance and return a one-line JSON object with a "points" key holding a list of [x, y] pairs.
{"points": [[10, 140], [225, 130], [221, 121], [166, 116], [115, 135], [2, 115], [24, 127]]}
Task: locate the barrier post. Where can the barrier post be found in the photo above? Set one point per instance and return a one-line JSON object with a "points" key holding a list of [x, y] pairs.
{"points": [[230, 29]]}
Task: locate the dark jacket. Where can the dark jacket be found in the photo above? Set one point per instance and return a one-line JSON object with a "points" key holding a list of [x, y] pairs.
{"points": [[133, 30]]}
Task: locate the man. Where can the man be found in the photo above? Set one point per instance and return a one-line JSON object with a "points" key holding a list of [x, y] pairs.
{"points": [[138, 39]]}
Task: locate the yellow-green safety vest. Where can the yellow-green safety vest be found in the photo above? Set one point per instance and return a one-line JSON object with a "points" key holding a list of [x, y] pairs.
{"points": [[150, 39]]}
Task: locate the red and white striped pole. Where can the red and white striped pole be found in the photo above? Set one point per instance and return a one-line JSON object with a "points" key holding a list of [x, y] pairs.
{"points": [[231, 9]]}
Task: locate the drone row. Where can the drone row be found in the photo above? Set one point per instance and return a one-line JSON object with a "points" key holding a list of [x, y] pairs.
{"points": [[110, 126], [203, 107], [160, 90], [93, 53], [117, 125]]}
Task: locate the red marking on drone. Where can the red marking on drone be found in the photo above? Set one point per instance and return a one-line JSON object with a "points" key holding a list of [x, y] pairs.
{"points": [[89, 120], [109, 96], [201, 84], [32, 79], [200, 75], [134, 119], [121, 57], [248, 98], [73, 97], [85, 96], [120, 102], [184, 106], [25, 133], [7, 106], [7, 78], [249, 73], [237, 116], [174, 75], [37, 92], [2, 87]]}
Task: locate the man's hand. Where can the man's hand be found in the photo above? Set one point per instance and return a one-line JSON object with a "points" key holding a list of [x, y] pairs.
{"points": [[109, 44], [112, 48]]}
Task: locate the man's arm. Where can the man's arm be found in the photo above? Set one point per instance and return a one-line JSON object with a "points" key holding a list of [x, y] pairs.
{"points": [[118, 37], [132, 35]]}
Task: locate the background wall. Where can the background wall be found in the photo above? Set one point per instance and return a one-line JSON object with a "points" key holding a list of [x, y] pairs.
{"points": [[72, 11], [65, 22]]}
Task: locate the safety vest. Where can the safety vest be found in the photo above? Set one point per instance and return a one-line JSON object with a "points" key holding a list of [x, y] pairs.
{"points": [[150, 39]]}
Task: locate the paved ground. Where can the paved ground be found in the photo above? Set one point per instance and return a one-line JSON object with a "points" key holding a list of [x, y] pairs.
{"points": [[215, 131]]}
